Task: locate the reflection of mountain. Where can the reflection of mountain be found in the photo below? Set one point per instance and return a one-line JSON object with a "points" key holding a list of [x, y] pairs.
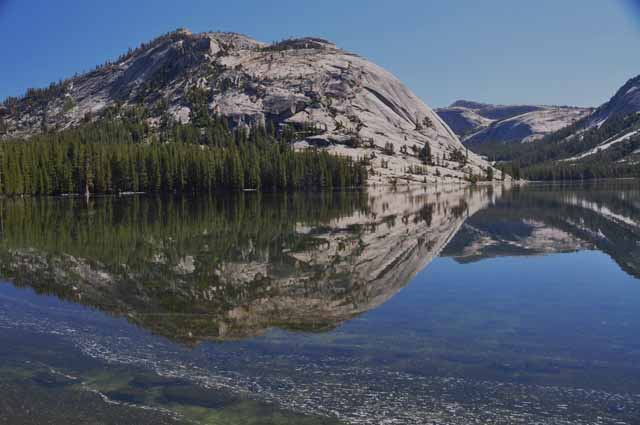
{"points": [[220, 269], [540, 220], [233, 267]]}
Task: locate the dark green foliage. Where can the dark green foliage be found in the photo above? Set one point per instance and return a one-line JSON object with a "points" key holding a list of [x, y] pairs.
{"points": [[489, 173], [425, 154], [581, 171], [416, 169], [254, 224], [199, 103], [618, 160], [124, 155], [40, 97], [68, 104], [458, 156], [513, 170], [295, 44]]}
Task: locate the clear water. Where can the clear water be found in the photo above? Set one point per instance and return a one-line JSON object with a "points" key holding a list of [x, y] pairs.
{"points": [[454, 306]]}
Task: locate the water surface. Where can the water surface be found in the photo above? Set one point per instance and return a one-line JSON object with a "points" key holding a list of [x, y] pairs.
{"points": [[452, 306]]}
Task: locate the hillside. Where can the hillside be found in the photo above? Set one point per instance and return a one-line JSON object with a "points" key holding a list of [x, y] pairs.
{"points": [[605, 143], [528, 127], [327, 97], [480, 123], [624, 102]]}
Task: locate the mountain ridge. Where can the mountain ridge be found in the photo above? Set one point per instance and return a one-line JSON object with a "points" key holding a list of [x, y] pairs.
{"points": [[480, 123], [605, 143]]}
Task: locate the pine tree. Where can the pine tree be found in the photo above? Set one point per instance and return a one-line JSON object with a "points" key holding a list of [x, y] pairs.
{"points": [[425, 153]]}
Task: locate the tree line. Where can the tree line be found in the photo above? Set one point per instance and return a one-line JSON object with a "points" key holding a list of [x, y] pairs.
{"points": [[121, 153]]}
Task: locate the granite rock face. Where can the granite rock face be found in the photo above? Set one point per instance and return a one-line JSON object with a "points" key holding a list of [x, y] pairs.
{"points": [[478, 123], [528, 127], [355, 107]]}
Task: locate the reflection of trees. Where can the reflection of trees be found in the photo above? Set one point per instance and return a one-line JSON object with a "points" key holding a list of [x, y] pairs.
{"points": [[604, 216], [134, 230]]}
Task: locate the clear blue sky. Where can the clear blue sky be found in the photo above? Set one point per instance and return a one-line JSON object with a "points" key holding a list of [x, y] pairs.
{"points": [[502, 51]]}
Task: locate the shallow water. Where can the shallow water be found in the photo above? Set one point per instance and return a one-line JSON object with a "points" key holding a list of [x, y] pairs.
{"points": [[494, 304]]}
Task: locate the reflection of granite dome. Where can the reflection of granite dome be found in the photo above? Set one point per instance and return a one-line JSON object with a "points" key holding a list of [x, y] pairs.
{"points": [[315, 276]]}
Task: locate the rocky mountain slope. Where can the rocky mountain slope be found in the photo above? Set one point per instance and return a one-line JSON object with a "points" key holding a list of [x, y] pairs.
{"points": [[479, 123], [463, 120], [355, 107], [625, 103], [528, 127], [605, 143]]}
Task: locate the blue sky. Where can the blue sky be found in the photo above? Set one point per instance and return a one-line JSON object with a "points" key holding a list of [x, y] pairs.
{"points": [[502, 51]]}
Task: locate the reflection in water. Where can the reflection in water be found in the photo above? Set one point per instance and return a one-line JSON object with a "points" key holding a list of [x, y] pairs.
{"points": [[553, 219], [323, 272], [230, 268]]}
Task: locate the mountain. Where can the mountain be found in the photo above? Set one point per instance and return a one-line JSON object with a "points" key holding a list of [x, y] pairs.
{"points": [[528, 127], [463, 120], [605, 143], [624, 102], [619, 117], [479, 123], [352, 106]]}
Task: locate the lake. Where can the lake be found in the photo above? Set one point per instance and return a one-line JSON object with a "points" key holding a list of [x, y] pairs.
{"points": [[452, 305]]}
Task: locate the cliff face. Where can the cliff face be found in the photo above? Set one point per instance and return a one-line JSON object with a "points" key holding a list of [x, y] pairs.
{"points": [[356, 108]]}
